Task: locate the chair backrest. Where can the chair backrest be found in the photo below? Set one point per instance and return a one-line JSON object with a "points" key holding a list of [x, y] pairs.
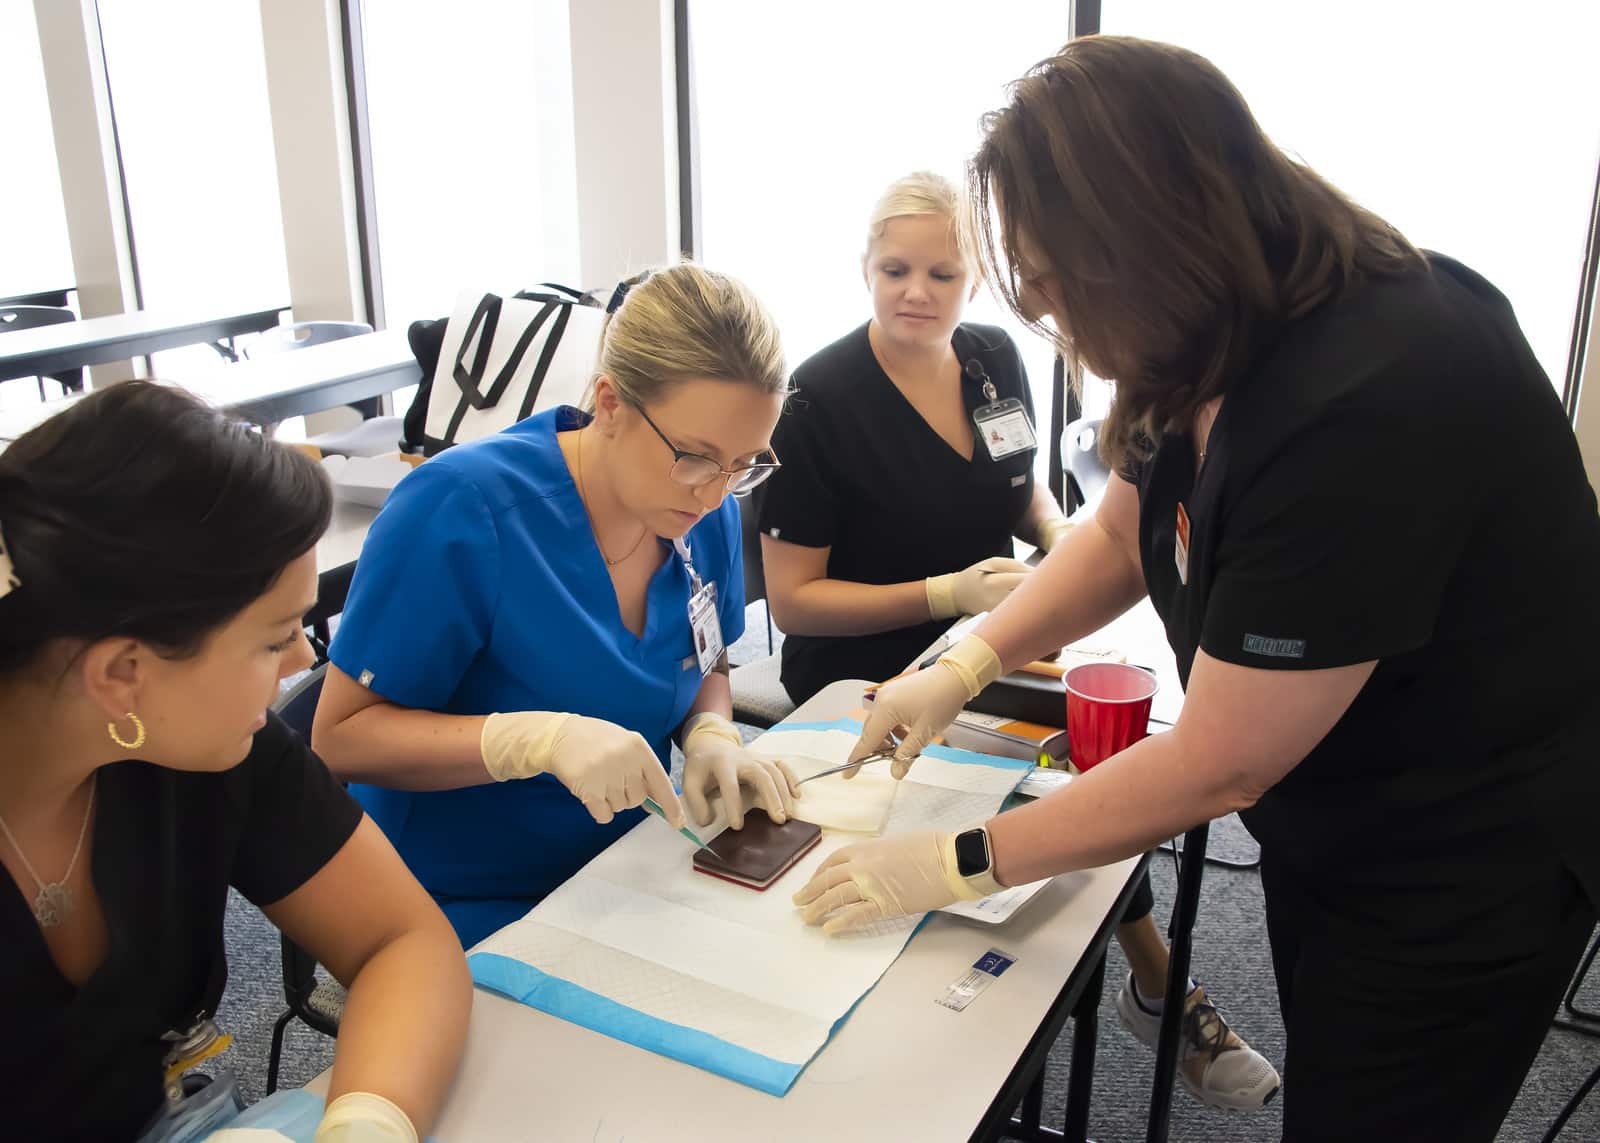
{"points": [[1080, 451], [30, 317], [755, 569], [298, 705], [303, 334]]}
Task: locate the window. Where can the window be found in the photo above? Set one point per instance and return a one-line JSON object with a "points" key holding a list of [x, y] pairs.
{"points": [[34, 252], [36, 255], [807, 112], [473, 167], [1473, 127], [188, 87]]}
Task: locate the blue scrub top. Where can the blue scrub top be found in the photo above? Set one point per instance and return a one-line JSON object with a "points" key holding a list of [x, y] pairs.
{"points": [[481, 589]]}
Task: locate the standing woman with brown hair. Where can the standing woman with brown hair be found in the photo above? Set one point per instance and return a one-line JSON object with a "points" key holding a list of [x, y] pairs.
{"points": [[886, 423], [1386, 646]]}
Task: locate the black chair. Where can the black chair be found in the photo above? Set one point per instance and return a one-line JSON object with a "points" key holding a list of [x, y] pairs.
{"points": [[1086, 473], [755, 564], [31, 317], [318, 1004], [758, 695]]}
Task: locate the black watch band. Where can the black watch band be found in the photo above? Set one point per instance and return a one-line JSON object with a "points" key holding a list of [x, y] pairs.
{"points": [[972, 852]]}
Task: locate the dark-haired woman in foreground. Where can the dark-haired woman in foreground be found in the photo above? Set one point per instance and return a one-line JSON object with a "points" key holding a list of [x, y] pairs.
{"points": [[1387, 645], [155, 562]]}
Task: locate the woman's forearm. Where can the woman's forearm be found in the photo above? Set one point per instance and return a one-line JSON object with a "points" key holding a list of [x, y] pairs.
{"points": [[1124, 806], [404, 1023], [841, 607], [405, 749], [1242, 729], [1085, 583]]}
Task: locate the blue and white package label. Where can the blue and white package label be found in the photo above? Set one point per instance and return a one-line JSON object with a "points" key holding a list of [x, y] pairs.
{"points": [[970, 985]]}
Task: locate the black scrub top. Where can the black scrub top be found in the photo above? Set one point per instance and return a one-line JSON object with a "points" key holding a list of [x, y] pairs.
{"points": [[1395, 480], [867, 477], [87, 1064]]}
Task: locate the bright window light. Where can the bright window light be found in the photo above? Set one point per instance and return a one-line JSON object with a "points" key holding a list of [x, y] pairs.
{"points": [[188, 85], [34, 253], [473, 162], [1474, 127], [808, 111]]}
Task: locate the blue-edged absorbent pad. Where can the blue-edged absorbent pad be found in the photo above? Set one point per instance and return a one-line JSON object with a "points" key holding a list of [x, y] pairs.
{"points": [[643, 949]]}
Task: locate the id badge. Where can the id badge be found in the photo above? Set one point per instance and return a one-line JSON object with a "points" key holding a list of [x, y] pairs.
{"points": [[1180, 545], [1004, 428], [707, 628]]}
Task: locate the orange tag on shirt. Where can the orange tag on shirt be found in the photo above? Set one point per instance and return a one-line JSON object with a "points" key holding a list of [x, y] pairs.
{"points": [[1180, 546]]}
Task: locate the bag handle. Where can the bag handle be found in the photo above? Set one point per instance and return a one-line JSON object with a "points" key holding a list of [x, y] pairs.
{"points": [[580, 297], [470, 378]]}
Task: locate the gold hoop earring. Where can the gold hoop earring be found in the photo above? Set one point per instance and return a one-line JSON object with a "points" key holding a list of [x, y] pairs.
{"points": [[138, 732]]}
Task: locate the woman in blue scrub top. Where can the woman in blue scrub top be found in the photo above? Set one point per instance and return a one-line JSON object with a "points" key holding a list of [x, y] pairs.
{"points": [[523, 636]]}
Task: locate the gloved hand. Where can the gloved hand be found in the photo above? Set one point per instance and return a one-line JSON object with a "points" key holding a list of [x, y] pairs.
{"points": [[1052, 529], [863, 884], [361, 1117], [978, 588], [925, 703], [715, 757], [607, 768], [247, 1135]]}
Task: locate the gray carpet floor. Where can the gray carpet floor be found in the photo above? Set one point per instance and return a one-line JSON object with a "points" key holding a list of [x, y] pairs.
{"points": [[1231, 959]]}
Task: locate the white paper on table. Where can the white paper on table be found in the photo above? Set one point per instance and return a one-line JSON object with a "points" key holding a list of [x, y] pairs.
{"points": [[713, 973], [999, 907]]}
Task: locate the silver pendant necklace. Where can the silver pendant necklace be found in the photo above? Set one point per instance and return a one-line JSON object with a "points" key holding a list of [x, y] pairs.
{"points": [[53, 904]]}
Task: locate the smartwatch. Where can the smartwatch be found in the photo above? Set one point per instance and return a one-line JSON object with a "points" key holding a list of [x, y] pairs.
{"points": [[972, 852]]}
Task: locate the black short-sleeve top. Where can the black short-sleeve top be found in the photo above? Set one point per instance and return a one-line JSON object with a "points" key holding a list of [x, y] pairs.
{"points": [[865, 476], [87, 1063], [1393, 480]]}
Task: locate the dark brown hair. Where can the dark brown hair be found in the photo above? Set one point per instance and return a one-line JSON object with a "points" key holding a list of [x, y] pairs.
{"points": [[1175, 234], [142, 512]]}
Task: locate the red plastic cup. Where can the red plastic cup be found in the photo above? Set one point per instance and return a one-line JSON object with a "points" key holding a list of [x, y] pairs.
{"points": [[1108, 710]]}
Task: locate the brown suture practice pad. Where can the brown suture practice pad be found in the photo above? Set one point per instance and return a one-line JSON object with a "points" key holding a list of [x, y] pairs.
{"points": [[758, 854]]}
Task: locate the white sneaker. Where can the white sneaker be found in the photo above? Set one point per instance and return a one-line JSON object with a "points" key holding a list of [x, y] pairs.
{"points": [[1213, 1062]]}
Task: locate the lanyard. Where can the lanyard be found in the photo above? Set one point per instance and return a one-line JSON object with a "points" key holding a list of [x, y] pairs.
{"points": [[681, 546]]}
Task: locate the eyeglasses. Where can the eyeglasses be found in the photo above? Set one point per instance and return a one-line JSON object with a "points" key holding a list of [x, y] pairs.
{"points": [[696, 471]]}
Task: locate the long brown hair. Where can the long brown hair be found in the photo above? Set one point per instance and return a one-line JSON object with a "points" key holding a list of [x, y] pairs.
{"points": [[1174, 233]]}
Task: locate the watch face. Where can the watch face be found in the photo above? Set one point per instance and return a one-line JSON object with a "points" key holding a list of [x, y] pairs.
{"points": [[972, 852]]}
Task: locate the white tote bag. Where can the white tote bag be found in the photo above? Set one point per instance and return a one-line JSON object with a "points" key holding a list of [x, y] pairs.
{"points": [[504, 359]]}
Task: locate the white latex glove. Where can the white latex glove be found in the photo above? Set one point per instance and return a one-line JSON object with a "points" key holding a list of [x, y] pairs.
{"points": [[715, 758], [607, 768], [860, 885], [925, 703], [247, 1135], [361, 1117], [1051, 530], [978, 588]]}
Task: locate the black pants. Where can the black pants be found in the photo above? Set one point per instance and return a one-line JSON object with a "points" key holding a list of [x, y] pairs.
{"points": [[1140, 904], [1414, 1013]]}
